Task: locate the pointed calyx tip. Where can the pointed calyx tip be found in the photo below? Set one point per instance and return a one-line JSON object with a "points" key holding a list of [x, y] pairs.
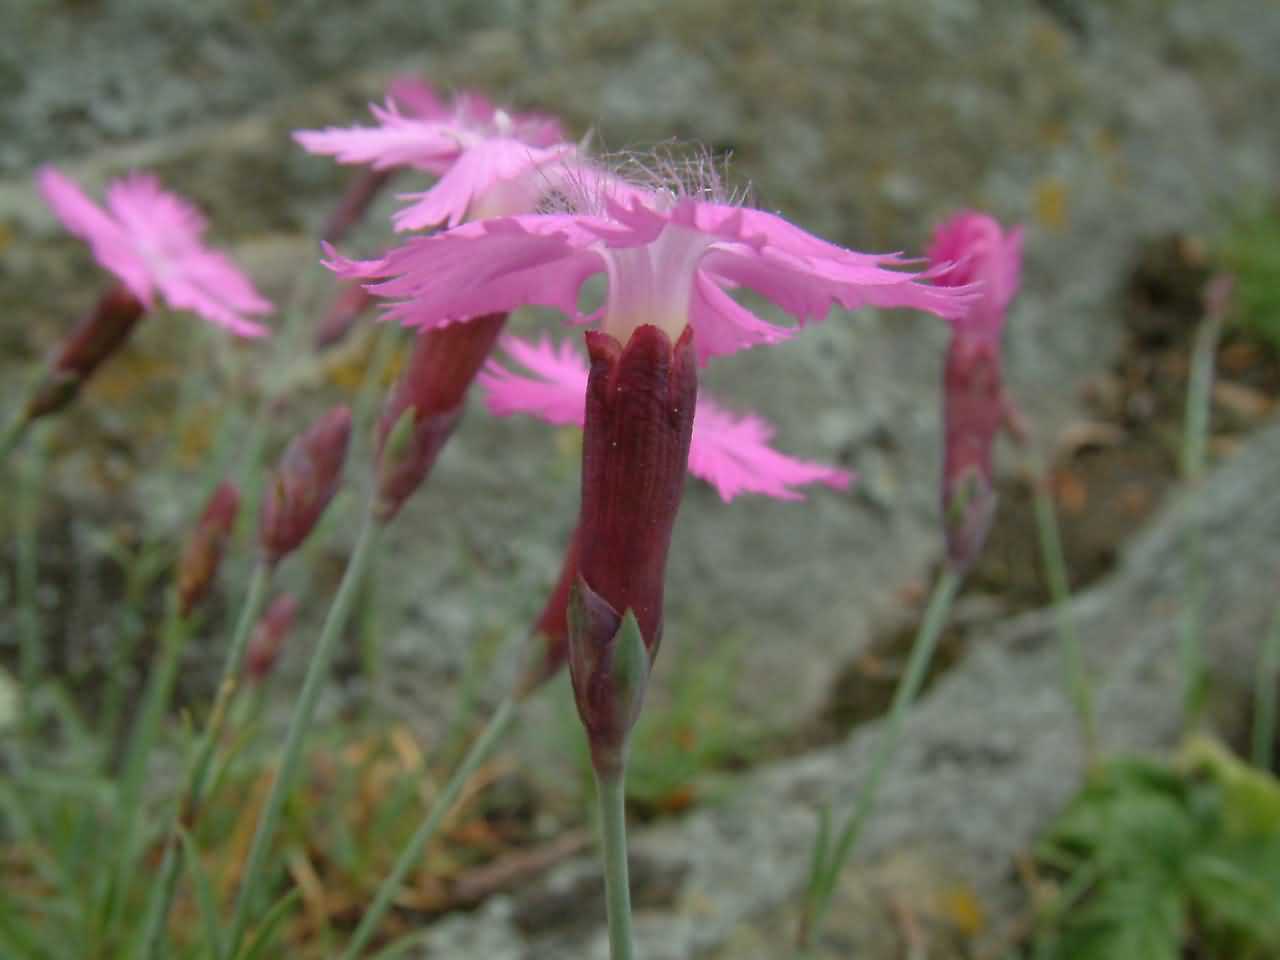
{"points": [[306, 479]]}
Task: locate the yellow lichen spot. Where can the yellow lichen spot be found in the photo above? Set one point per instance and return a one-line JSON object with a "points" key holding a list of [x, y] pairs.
{"points": [[1053, 133], [196, 439], [1047, 40], [1051, 203], [960, 907]]}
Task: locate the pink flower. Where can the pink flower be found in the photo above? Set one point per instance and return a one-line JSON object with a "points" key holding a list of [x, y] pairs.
{"points": [[486, 157], [972, 247], [151, 239], [668, 258], [729, 451], [433, 135]]}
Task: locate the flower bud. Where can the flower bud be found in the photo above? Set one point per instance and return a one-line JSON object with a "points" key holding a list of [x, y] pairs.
{"points": [[550, 646], [203, 551], [303, 484], [973, 412], [99, 334], [269, 636], [635, 450], [426, 404]]}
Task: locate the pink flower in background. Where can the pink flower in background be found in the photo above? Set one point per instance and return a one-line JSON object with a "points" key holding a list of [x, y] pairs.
{"points": [[151, 240], [487, 157], [729, 451], [973, 248], [668, 259]]}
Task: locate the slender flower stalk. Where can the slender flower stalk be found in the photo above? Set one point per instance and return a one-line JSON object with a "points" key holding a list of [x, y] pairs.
{"points": [[196, 783], [612, 796], [1194, 458], [824, 880], [1055, 565], [440, 807], [1264, 698], [299, 723]]}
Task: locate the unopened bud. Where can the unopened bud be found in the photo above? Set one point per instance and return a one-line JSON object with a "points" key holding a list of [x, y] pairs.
{"points": [[100, 333], [303, 484], [203, 551], [426, 404], [269, 636]]}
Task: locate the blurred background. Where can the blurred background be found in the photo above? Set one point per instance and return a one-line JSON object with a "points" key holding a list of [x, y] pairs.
{"points": [[1136, 141]]}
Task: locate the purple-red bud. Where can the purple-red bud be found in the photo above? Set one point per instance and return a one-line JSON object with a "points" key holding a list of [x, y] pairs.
{"points": [[635, 451], [974, 409], [100, 333], [426, 404], [303, 484], [269, 636], [203, 551], [550, 637]]}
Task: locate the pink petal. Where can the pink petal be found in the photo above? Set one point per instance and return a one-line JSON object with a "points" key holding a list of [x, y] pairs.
{"points": [[972, 248], [555, 393], [732, 453], [484, 267], [417, 97], [723, 326], [398, 141], [110, 243], [481, 169]]}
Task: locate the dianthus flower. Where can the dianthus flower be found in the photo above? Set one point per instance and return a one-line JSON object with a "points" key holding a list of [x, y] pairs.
{"points": [[972, 248], [668, 257], [151, 240], [480, 151]]}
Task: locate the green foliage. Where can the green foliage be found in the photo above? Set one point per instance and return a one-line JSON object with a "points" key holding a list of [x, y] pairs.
{"points": [[1157, 859], [1251, 253]]}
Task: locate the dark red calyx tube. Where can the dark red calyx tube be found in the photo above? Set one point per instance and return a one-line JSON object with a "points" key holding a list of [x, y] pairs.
{"points": [[202, 554], [303, 483], [639, 420], [99, 334], [426, 404]]}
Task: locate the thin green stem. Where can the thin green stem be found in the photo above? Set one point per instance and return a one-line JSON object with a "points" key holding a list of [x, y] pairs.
{"points": [[12, 436], [1055, 564], [611, 793], [443, 803], [155, 700], [1264, 700], [28, 577], [1194, 448], [935, 618], [299, 723], [157, 915]]}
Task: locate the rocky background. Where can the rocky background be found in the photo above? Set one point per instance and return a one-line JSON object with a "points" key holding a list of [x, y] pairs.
{"points": [[1101, 126]]}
